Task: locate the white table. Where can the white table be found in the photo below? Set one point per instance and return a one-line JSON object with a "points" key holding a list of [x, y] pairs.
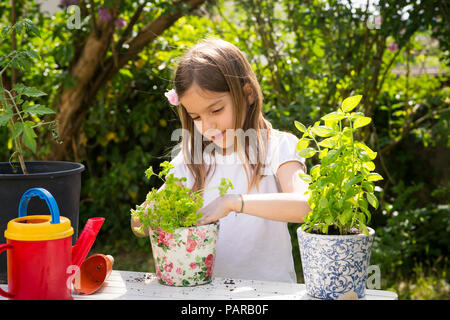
{"points": [[128, 285]]}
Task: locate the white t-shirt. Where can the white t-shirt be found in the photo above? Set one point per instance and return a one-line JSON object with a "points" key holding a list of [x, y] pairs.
{"points": [[250, 247]]}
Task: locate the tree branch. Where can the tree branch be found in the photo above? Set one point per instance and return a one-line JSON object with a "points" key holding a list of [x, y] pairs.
{"points": [[126, 33], [414, 125], [93, 20], [148, 33]]}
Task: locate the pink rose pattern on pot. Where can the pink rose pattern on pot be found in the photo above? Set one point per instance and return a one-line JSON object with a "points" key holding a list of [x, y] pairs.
{"points": [[165, 238], [190, 245], [185, 257]]}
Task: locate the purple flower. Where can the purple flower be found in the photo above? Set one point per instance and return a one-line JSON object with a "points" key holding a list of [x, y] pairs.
{"points": [[120, 23], [103, 14], [378, 21], [393, 47], [67, 3], [172, 96]]}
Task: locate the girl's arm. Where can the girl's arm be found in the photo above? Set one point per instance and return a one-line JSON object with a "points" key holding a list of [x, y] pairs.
{"points": [[289, 206]]}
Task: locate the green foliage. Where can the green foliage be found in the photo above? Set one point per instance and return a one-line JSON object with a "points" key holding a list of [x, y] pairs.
{"points": [[413, 236], [174, 206], [421, 284], [17, 112], [340, 187]]}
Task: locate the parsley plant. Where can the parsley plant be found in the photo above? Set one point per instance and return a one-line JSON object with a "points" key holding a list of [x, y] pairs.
{"points": [[175, 205]]}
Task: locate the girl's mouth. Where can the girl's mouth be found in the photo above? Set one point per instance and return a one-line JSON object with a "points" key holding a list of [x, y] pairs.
{"points": [[218, 136]]}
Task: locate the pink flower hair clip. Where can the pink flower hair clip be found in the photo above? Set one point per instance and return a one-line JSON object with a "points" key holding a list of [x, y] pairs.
{"points": [[172, 96]]}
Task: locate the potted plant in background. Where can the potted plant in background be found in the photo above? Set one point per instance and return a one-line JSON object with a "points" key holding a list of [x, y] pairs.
{"points": [[335, 242], [183, 252], [20, 114]]}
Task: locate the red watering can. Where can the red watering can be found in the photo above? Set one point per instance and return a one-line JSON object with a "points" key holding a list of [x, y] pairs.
{"points": [[41, 260]]}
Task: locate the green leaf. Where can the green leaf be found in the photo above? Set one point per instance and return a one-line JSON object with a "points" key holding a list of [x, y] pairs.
{"points": [[29, 136], [374, 177], [334, 116], [305, 177], [307, 153], [356, 115], [369, 165], [126, 73], [346, 216], [149, 172], [315, 171], [318, 51], [18, 26], [17, 130], [32, 54], [330, 157], [368, 186], [139, 230], [166, 165], [302, 144], [37, 109], [351, 191], [28, 91], [361, 122], [328, 143], [5, 30], [21, 62], [364, 229], [33, 92], [372, 199], [29, 26], [329, 220], [372, 155], [350, 103], [323, 203], [300, 126], [362, 154], [362, 203], [323, 153], [356, 179], [5, 117], [322, 131]]}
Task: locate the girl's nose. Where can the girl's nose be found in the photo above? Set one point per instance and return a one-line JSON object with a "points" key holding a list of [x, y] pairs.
{"points": [[207, 125]]}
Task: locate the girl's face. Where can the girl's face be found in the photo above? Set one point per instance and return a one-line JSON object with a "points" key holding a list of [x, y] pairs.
{"points": [[212, 113]]}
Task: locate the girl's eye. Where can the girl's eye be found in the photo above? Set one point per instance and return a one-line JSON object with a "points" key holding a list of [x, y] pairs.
{"points": [[215, 111]]}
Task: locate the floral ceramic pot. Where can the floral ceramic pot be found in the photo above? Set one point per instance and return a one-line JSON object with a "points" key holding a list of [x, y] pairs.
{"points": [[334, 264], [186, 256]]}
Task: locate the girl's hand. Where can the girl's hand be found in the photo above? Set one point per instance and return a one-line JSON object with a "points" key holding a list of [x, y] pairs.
{"points": [[135, 222], [219, 208]]}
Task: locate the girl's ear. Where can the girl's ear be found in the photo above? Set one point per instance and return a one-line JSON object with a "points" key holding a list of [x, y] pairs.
{"points": [[249, 93]]}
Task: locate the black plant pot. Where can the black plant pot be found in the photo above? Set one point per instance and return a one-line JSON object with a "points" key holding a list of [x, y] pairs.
{"points": [[62, 179]]}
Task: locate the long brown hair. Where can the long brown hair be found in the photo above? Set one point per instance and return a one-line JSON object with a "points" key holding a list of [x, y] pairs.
{"points": [[219, 66]]}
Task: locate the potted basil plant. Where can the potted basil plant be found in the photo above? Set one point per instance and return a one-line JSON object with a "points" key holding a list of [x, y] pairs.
{"points": [[183, 252], [23, 118], [334, 240]]}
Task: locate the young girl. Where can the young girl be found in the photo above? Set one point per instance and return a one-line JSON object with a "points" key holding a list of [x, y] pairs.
{"points": [[225, 135]]}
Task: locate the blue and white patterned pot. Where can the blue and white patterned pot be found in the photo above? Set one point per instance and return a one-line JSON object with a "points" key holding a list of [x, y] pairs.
{"points": [[335, 264]]}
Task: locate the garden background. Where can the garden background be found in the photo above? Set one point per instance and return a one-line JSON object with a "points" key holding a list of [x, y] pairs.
{"points": [[105, 75]]}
